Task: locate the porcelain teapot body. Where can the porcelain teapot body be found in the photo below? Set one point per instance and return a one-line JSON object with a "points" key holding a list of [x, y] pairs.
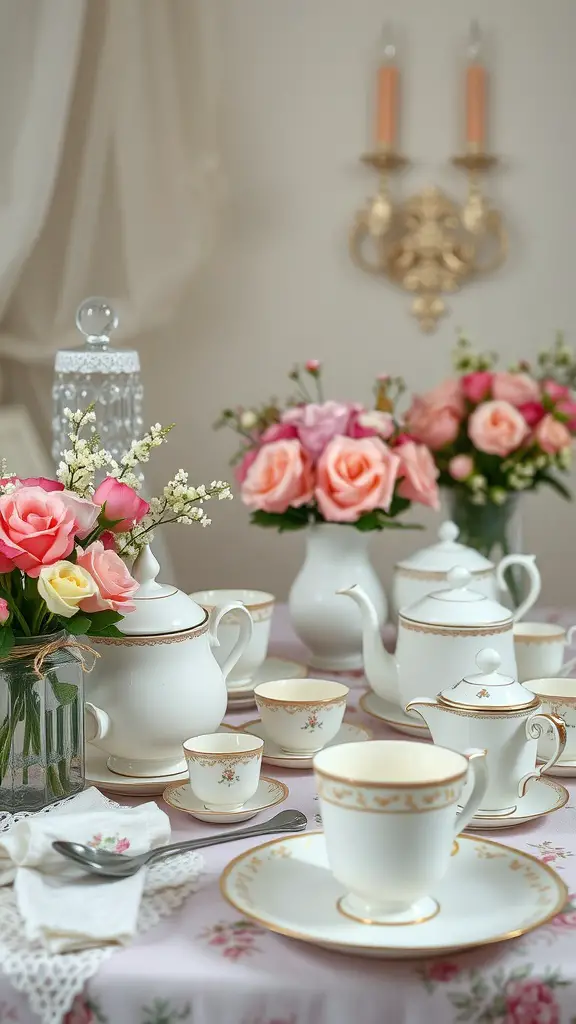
{"points": [[500, 715], [149, 690], [427, 571]]}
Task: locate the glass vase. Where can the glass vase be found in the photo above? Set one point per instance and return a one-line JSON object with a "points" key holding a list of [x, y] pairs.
{"points": [[493, 530], [41, 726]]}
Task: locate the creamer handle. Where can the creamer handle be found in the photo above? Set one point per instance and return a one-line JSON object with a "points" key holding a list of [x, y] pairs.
{"points": [[533, 732], [244, 638], [528, 562], [477, 762]]}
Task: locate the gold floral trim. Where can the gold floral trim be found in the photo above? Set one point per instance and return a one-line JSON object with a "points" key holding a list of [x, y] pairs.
{"points": [[345, 781], [227, 759], [486, 712], [424, 627], [258, 613], [357, 798], [153, 641], [483, 712], [292, 709], [539, 638], [275, 788], [437, 574]]}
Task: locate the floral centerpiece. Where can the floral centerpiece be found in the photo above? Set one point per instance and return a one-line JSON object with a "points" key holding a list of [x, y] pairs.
{"points": [[66, 547], [330, 466], [495, 434]]}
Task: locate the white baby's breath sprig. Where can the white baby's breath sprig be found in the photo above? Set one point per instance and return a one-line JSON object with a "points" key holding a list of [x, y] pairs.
{"points": [[80, 462], [139, 452], [180, 503], [6, 487]]}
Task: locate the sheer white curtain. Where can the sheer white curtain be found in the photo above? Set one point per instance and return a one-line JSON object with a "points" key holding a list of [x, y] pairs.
{"points": [[109, 165]]}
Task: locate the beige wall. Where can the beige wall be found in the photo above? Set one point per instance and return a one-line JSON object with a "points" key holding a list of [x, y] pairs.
{"points": [[280, 285]]}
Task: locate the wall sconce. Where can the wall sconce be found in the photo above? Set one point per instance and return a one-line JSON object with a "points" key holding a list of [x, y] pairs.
{"points": [[429, 244]]}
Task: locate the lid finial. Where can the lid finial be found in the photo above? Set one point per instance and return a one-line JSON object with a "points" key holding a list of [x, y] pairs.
{"points": [[459, 577], [96, 319], [488, 661], [448, 532], [145, 570]]}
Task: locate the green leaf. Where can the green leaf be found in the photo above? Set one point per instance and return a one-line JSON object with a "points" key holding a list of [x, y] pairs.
{"points": [[101, 619], [78, 625], [110, 630], [65, 693], [556, 486], [6, 641], [292, 519]]}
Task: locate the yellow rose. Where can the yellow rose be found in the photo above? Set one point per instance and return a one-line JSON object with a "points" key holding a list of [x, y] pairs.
{"points": [[63, 586]]}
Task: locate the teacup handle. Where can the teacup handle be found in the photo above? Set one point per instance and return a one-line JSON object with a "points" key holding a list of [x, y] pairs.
{"points": [[477, 762], [528, 562], [534, 731], [244, 638], [568, 665]]}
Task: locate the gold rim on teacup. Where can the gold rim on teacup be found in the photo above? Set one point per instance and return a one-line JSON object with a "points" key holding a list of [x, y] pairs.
{"points": [[538, 632], [224, 746], [543, 687], [299, 694], [348, 780], [265, 601]]}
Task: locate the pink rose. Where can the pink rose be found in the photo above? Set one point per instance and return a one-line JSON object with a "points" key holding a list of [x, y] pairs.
{"points": [[318, 424], [434, 418], [278, 432], [108, 540], [85, 512], [461, 467], [419, 474], [552, 435], [497, 428], [516, 388], [122, 504], [281, 475], [242, 468], [477, 386], [371, 423], [554, 390], [355, 476], [4, 610], [530, 1001], [33, 481], [38, 528], [442, 970], [80, 1013], [568, 409], [532, 412], [115, 584]]}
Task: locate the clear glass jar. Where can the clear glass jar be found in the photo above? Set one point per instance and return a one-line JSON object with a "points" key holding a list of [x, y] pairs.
{"points": [[493, 530], [41, 726]]}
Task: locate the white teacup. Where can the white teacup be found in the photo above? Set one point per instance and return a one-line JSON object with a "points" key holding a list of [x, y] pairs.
{"points": [[224, 768], [260, 604], [390, 816], [539, 649], [558, 697], [301, 715]]}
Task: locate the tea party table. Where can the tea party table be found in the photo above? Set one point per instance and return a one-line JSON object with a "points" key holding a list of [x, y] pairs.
{"points": [[207, 965]]}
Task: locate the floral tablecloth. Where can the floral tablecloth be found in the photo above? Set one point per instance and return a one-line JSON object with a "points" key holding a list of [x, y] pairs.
{"points": [[206, 965]]}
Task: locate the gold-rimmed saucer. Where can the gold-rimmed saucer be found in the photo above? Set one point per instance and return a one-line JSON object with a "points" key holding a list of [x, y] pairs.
{"points": [[181, 797], [348, 732], [491, 893], [543, 796], [566, 769], [392, 715]]}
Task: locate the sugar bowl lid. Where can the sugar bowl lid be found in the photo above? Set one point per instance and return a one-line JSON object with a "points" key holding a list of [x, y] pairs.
{"points": [[488, 689], [160, 608], [460, 605], [447, 552]]}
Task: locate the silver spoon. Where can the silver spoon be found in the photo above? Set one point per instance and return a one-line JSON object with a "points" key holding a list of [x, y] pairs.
{"points": [[117, 865]]}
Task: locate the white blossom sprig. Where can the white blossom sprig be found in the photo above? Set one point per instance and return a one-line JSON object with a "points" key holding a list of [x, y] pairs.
{"points": [[80, 462], [6, 487]]}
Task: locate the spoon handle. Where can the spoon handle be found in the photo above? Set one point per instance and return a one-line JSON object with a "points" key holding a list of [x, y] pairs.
{"points": [[223, 837]]}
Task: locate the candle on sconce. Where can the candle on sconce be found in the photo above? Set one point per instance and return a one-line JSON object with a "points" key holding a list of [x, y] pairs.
{"points": [[387, 94], [475, 92]]}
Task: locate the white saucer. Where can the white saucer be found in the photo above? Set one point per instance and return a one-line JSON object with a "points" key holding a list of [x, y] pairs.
{"points": [[273, 668], [542, 797], [99, 774], [273, 754], [563, 768], [491, 893], [269, 793], [390, 713]]}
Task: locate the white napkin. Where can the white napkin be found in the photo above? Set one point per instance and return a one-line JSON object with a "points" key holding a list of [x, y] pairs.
{"points": [[63, 907]]}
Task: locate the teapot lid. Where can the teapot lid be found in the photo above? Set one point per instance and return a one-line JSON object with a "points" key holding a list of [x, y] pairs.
{"points": [[159, 608], [458, 606], [488, 689], [447, 552]]}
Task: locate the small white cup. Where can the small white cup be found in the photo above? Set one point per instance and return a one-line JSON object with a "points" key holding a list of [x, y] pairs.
{"points": [[224, 768], [260, 604], [390, 816], [301, 715], [539, 649], [558, 697]]}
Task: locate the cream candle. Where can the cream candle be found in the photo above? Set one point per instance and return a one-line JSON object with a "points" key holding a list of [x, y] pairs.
{"points": [[388, 80], [475, 93]]}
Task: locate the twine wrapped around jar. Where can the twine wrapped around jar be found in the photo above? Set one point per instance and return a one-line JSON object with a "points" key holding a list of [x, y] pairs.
{"points": [[43, 651]]}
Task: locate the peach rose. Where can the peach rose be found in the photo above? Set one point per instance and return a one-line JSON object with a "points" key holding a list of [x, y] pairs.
{"points": [[419, 474], [39, 527], [461, 466], [516, 388], [552, 435], [355, 475], [116, 587], [280, 475], [497, 428], [434, 418], [124, 506]]}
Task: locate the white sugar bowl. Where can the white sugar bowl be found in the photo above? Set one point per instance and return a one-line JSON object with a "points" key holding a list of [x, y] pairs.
{"points": [[159, 682], [427, 570]]}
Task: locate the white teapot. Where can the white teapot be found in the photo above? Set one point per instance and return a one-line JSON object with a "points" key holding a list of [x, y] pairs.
{"points": [[438, 639], [427, 570], [495, 712], [160, 682]]}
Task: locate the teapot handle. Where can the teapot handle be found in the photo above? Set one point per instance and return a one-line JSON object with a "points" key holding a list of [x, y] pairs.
{"points": [[244, 637], [533, 731], [477, 761], [96, 723], [528, 562]]}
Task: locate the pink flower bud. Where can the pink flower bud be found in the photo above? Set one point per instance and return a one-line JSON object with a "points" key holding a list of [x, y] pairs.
{"points": [[312, 365], [4, 610], [460, 467]]}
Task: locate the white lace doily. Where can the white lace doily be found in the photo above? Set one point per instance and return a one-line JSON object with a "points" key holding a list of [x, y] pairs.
{"points": [[52, 981]]}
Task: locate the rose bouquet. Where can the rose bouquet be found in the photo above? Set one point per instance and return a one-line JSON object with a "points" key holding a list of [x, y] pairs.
{"points": [[66, 547], [495, 434], [314, 461]]}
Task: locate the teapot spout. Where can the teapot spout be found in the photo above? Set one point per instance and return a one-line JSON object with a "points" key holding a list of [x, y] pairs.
{"points": [[380, 667], [429, 709]]}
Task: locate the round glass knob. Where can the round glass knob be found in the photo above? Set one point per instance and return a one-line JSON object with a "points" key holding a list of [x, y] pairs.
{"points": [[96, 319]]}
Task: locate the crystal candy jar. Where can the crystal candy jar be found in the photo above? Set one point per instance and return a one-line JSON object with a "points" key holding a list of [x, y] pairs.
{"points": [[98, 373]]}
